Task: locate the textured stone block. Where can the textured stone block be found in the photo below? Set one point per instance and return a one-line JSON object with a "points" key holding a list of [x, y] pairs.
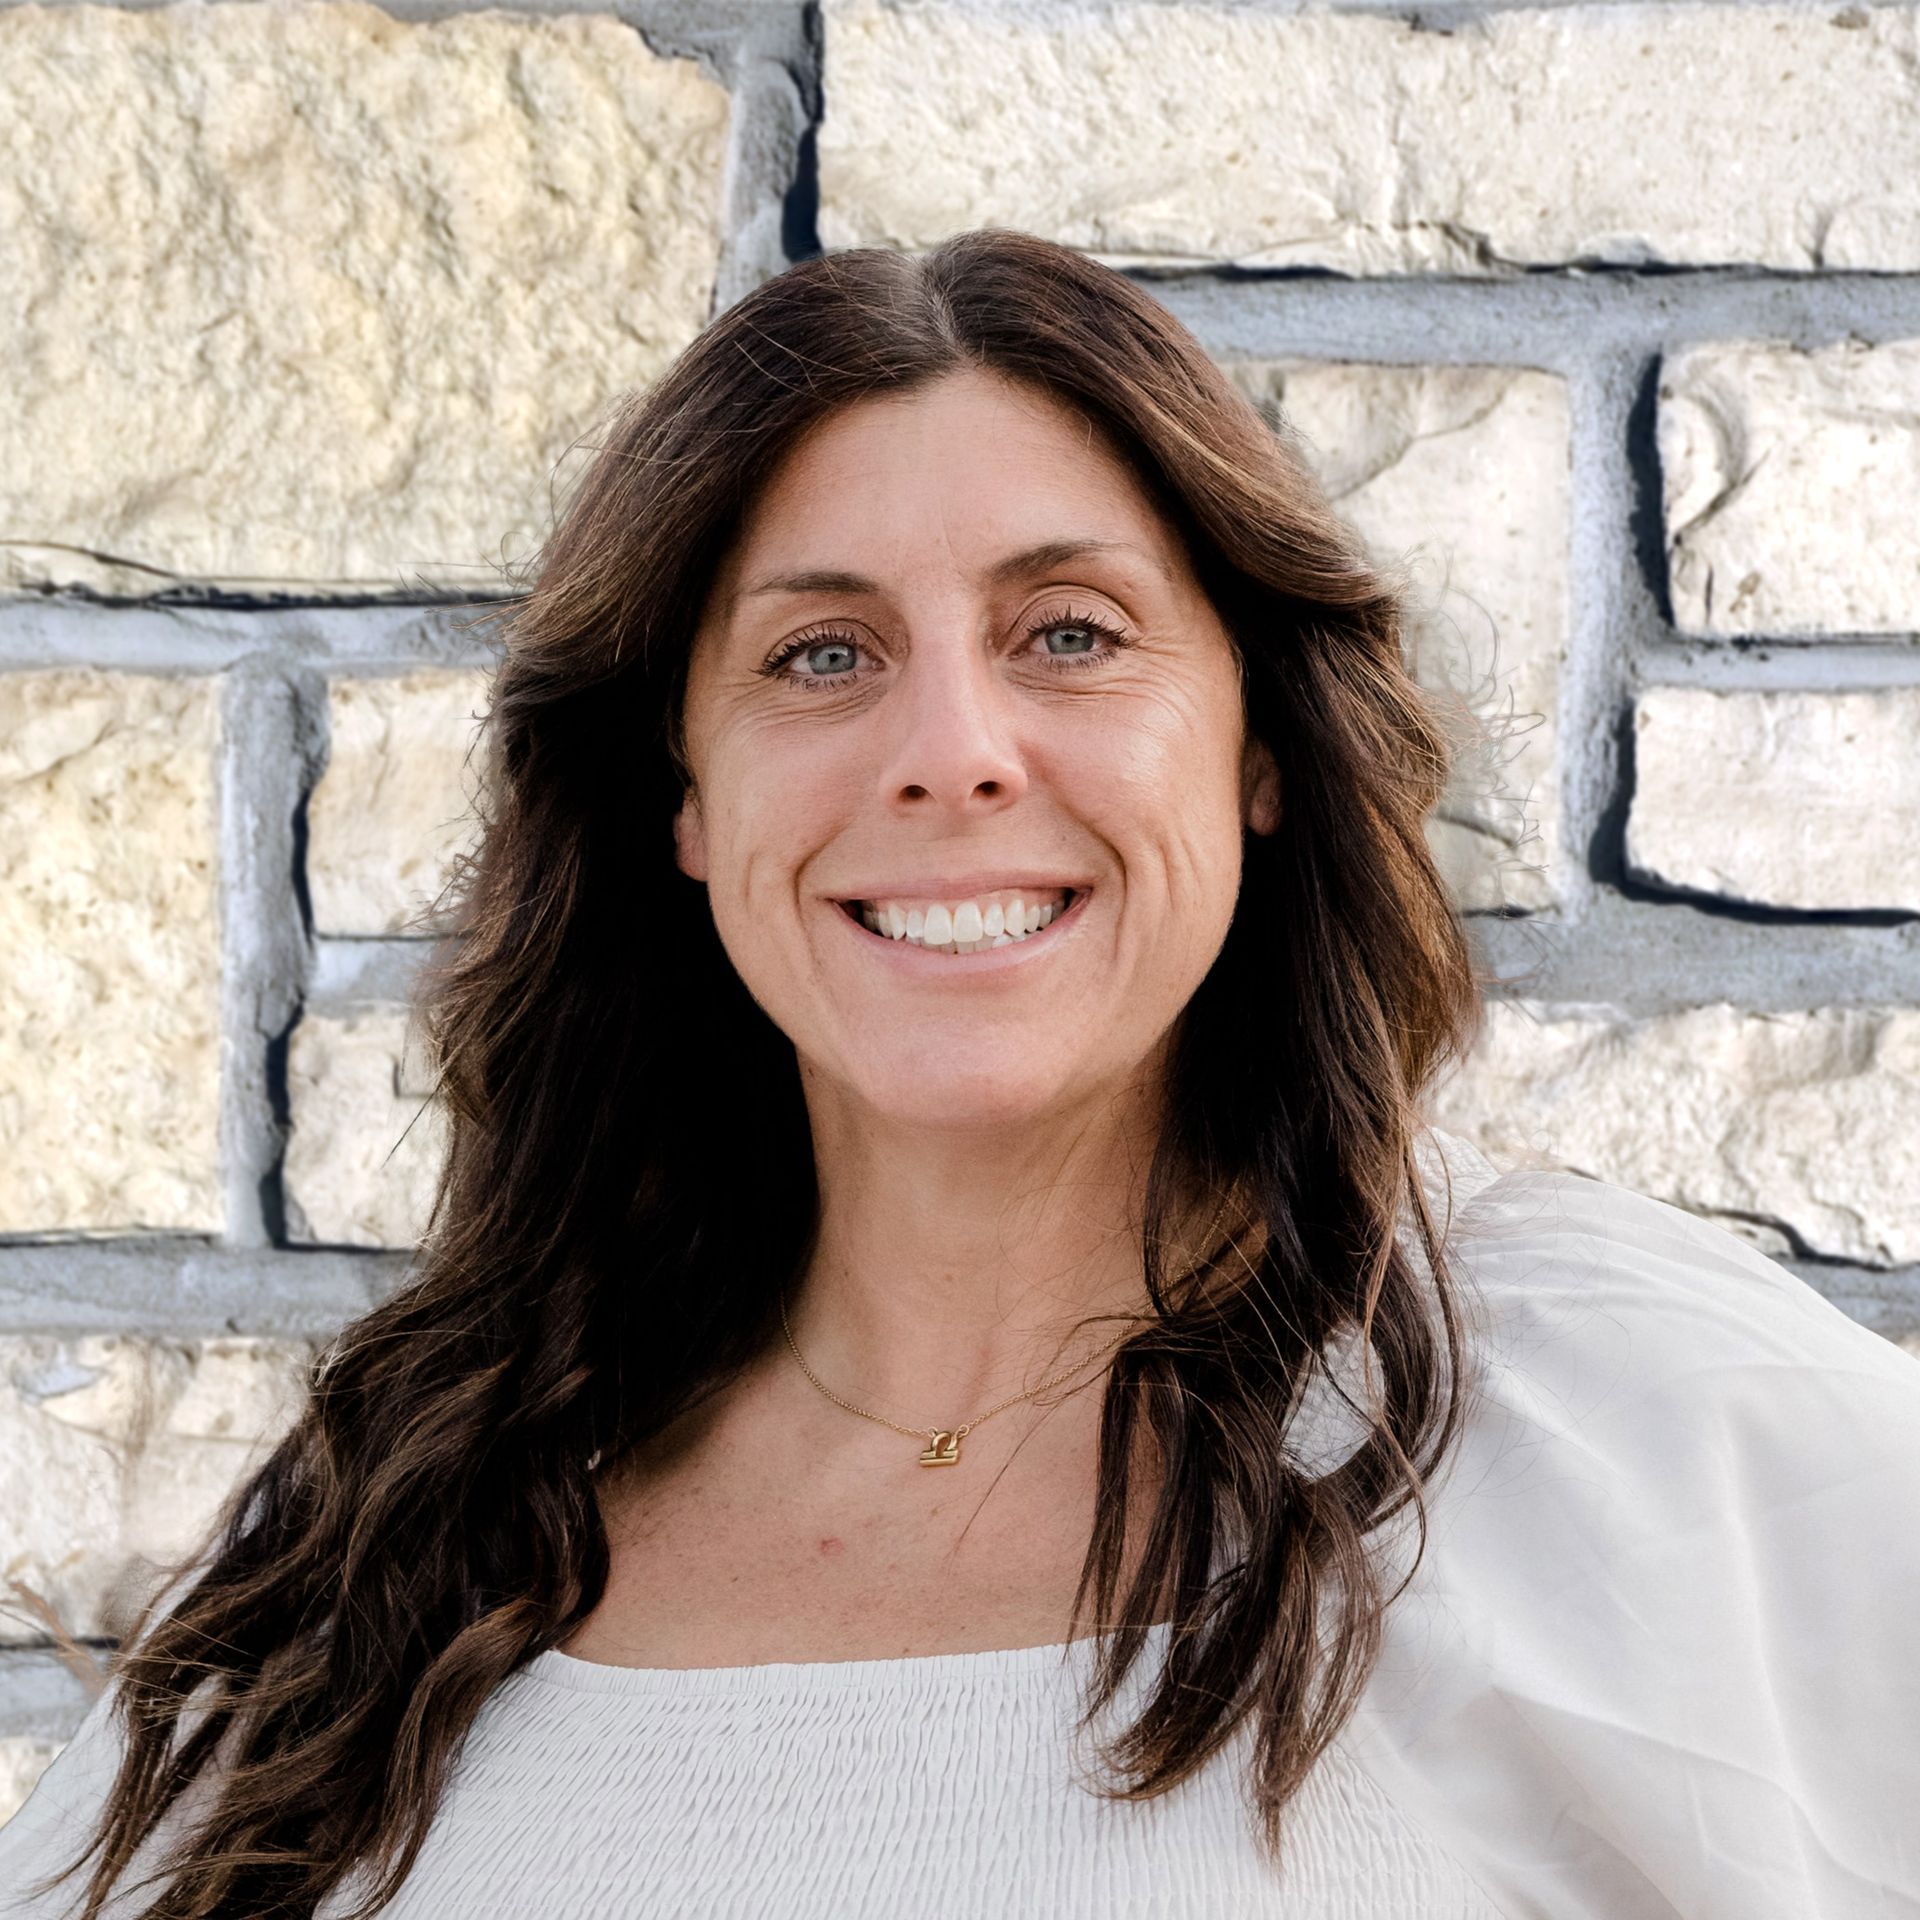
{"points": [[1460, 475], [115, 1453], [1785, 798], [367, 1141], [307, 295], [395, 805], [109, 952], [1800, 1130], [1792, 487], [1174, 134]]}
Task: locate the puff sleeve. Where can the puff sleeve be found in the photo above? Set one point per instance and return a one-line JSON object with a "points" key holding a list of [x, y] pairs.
{"points": [[1661, 1655], [57, 1817]]}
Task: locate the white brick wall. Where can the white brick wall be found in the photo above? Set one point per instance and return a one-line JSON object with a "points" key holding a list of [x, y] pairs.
{"points": [[1788, 799], [109, 952], [396, 803], [313, 312], [1790, 477], [1466, 469], [298, 354], [1528, 137]]}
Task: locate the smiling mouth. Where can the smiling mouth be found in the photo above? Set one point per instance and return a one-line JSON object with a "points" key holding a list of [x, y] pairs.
{"points": [[1003, 920]]}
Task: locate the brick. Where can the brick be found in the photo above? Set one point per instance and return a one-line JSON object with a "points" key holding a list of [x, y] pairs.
{"points": [[1787, 799], [1800, 1130], [367, 1141], [115, 1454], [1461, 474], [1371, 144], [1791, 481], [395, 805], [312, 296], [109, 952]]}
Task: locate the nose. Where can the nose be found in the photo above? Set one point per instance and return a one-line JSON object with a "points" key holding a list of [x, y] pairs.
{"points": [[951, 746]]}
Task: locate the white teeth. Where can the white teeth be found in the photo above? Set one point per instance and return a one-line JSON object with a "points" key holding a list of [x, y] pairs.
{"points": [[964, 926]]}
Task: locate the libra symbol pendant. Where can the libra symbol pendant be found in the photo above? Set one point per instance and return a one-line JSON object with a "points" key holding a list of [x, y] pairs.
{"points": [[944, 1448]]}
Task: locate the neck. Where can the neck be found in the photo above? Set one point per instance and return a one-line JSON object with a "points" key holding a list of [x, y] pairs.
{"points": [[952, 1266]]}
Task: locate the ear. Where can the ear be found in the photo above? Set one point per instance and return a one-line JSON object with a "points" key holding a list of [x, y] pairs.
{"points": [[1259, 786], [690, 838]]}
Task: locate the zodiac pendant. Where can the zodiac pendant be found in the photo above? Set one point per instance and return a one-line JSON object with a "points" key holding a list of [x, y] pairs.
{"points": [[943, 1450]]}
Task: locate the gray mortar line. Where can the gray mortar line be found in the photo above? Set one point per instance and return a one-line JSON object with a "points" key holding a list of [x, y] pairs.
{"points": [[1649, 957], [273, 727], [162, 1289], [364, 972], [1855, 664], [1555, 319], [1600, 585], [41, 1697], [1686, 953], [74, 630]]}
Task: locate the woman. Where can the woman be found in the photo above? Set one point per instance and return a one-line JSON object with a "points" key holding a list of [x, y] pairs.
{"points": [[947, 1374]]}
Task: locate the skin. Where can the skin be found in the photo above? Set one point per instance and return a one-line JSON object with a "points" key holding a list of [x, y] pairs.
{"points": [[981, 1138]]}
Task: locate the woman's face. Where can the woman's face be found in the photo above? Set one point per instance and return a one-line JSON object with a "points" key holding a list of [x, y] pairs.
{"points": [[957, 657]]}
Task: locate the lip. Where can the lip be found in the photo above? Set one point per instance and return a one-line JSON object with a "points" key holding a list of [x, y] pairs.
{"points": [[1017, 953], [960, 886]]}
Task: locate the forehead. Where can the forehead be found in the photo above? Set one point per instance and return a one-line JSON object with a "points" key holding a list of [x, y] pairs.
{"points": [[954, 474]]}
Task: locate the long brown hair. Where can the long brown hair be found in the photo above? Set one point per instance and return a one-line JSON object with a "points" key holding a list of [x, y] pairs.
{"points": [[429, 1524]]}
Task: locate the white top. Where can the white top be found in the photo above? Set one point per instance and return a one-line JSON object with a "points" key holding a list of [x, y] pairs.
{"points": [[1662, 1657]]}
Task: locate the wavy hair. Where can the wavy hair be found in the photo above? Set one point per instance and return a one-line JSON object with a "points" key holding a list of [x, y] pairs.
{"points": [[429, 1522]]}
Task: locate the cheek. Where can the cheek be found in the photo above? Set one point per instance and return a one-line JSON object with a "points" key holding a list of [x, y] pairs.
{"points": [[773, 809], [1164, 766]]}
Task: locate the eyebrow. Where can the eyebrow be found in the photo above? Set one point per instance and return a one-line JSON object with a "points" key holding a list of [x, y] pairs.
{"points": [[1050, 553]]}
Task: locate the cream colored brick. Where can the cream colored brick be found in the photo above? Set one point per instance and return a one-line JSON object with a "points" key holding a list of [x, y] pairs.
{"points": [[367, 1141], [1792, 487], [109, 952], [1782, 135], [395, 805], [1781, 1125], [115, 1453], [1461, 473], [309, 295], [1789, 799]]}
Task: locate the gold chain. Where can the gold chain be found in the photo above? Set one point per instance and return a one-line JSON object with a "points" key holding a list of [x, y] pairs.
{"points": [[943, 1443]]}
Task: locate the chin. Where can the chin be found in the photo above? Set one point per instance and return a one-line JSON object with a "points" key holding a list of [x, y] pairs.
{"points": [[1002, 1089]]}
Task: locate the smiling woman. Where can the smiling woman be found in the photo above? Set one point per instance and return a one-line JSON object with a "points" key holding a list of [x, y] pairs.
{"points": [[950, 980]]}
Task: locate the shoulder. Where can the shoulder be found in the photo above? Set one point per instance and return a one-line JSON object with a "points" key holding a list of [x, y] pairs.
{"points": [[52, 1823], [62, 1813], [1657, 1652], [1577, 1286]]}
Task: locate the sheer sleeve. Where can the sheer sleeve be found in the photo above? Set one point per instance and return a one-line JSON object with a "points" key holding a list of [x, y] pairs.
{"points": [[1662, 1652], [57, 1819]]}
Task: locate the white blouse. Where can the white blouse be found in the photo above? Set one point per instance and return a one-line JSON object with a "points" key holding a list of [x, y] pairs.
{"points": [[1661, 1657]]}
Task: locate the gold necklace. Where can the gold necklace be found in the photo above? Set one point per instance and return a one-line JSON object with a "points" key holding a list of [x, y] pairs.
{"points": [[943, 1443]]}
